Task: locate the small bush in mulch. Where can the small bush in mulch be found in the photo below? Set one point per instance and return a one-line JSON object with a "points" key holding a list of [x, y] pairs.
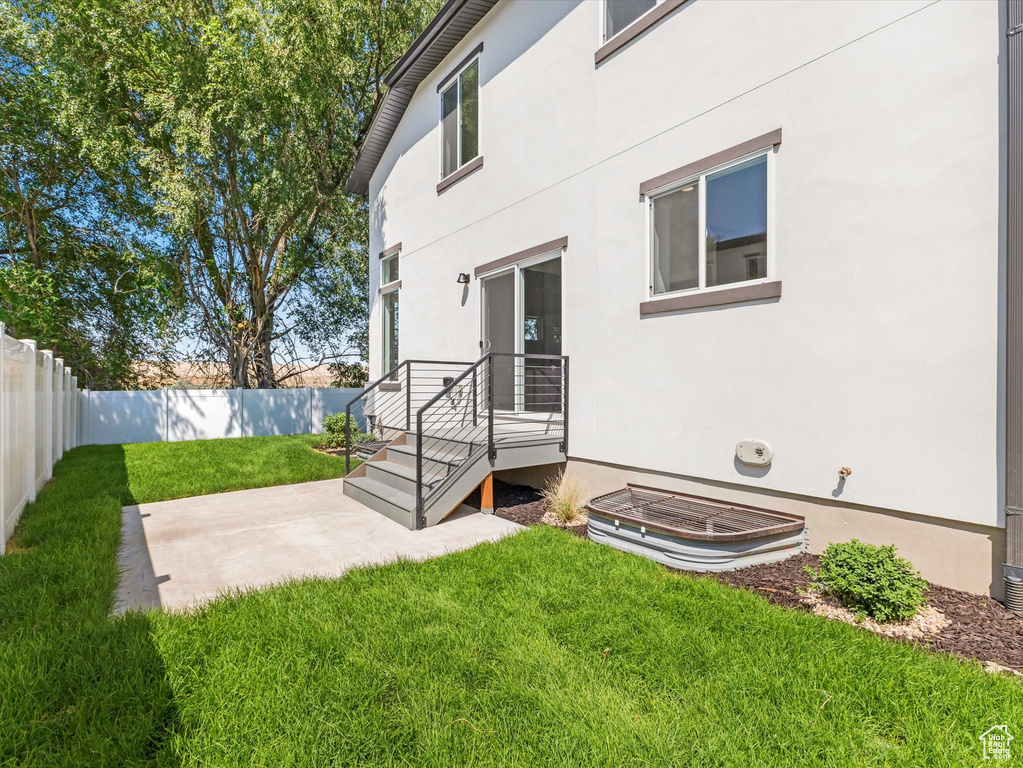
{"points": [[870, 580], [563, 498], [978, 627]]}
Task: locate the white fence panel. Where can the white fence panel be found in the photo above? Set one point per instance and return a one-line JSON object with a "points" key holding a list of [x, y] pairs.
{"points": [[204, 414], [124, 417], [275, 412], [328, 401], [16, 364], [31, 435]]}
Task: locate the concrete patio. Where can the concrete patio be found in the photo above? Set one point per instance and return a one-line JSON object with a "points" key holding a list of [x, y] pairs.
{"points": [[179, 554]]}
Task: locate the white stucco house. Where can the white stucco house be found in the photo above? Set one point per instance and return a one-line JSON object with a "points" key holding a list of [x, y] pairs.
{"points": [[789, 223]]}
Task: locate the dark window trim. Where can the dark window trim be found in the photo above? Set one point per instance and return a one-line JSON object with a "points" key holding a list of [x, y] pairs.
{"points": [[710, 162], [714, 298], [389, 287], [446, 81], [390, 251], [461, 173], [552, 245], [637, 28]]}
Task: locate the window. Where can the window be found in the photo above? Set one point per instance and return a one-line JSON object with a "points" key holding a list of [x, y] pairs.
{"points": [[460, 116], [389, 269], [390, 330], [711, 230], [618, 14]]}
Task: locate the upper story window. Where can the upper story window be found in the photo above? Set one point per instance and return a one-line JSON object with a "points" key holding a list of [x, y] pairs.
{"points": [[388, 269], [460, 117], [618, 14], [711, 229]]}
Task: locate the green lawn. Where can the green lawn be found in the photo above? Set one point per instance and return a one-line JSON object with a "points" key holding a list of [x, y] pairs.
{"points": [[542, 649]]}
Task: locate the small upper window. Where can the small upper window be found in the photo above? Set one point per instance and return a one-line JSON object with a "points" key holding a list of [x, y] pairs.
{"points": [[460, 116], [389, 269], [729, 208], [618, 14]]}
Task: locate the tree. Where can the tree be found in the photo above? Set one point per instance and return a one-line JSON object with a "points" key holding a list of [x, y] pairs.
{"points": [[81, 268], [244, 118]]}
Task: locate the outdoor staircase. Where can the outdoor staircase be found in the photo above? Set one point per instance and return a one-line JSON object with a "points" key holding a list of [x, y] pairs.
{"points": [[438, 453]]}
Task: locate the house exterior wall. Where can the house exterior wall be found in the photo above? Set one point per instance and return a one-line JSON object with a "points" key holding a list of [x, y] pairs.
{"points": [[882, 353]]}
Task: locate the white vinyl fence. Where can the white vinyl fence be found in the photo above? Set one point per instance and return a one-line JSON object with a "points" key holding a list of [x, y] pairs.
{"points": [[170, 415], [38, 414]]}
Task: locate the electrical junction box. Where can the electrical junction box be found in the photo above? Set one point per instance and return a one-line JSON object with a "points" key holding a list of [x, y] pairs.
{"points": [[755, 452]]}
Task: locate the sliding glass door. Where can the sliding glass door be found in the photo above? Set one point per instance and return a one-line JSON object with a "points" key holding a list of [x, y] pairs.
{"points": [[521, 313], [499, 335]]}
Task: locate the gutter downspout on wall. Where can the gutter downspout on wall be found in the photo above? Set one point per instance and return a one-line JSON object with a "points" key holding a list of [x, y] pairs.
{"points": [[1013, 569]]}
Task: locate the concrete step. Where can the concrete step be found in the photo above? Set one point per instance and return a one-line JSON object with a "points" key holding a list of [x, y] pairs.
{"points": [[400, 476], [434, 462], [383, 498]]}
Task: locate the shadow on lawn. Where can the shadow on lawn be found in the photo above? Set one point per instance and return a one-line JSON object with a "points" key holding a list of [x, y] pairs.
{"points": [[78, 686]]}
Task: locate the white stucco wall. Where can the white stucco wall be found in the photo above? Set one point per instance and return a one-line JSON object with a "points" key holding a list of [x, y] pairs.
{"points": [[881, 355]]}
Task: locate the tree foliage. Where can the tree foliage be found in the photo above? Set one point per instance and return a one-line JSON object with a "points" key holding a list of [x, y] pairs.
{"points": [[242, 119], [82, 270]]}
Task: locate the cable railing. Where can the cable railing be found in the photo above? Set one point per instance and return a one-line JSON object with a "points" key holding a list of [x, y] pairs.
{"points": [[501, 399], [457, 412], [391, 402]]}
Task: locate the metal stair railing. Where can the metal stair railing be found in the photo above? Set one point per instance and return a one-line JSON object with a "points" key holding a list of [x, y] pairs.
{"points": [[528, 393], [388, 403]]}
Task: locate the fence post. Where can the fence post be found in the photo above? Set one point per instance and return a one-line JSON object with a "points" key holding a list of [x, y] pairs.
{"points": [[3, 444], [65, 406], [30, 384], [84, 402], [73, 408], [311, 427], [48, 411], [58, 408]]}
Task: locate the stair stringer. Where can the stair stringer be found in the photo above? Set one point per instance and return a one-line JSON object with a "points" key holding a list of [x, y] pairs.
{"points": [[467, 476]]}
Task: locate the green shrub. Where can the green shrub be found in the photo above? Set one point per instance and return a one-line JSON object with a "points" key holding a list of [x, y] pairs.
{"points": [[870, 580], [334, 432], [335, 425]]}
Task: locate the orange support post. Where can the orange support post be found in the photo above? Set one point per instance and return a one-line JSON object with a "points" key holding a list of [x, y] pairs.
{"points": [[487, 495]]}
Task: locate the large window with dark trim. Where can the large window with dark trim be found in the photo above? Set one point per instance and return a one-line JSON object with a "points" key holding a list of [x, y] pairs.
{"points": [[460, 117], [712, 229], [618, 14]]}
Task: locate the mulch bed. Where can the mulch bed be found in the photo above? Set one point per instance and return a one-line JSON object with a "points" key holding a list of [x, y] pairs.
{"points": [[979, 628], [329, 451], [520, 504]]}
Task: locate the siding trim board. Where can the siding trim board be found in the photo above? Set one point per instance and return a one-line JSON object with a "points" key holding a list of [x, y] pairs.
{"points": [[456, 176], [771, 139], [638, 27], [715, 298], [552, 245]]}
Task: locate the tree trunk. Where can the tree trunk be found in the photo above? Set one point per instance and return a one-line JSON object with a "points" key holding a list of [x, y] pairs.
{"points": [[262, 354]]}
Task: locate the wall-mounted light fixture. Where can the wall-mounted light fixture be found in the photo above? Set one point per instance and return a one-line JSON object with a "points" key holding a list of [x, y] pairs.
{"points": [[463, 278]]}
